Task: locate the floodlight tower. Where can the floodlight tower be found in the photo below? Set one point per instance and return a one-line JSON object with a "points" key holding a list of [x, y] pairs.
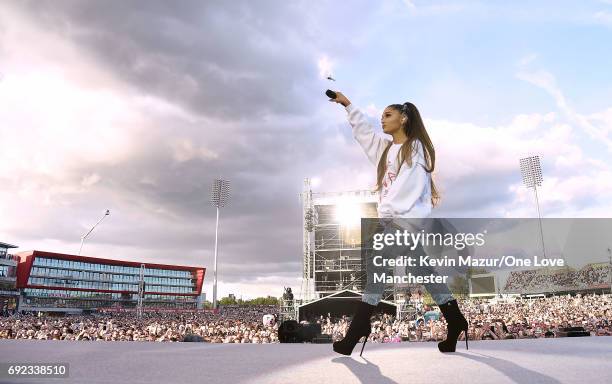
{"points": [[219, 197], [141, 291], [610, 267], [532, 178], [308, 220]]}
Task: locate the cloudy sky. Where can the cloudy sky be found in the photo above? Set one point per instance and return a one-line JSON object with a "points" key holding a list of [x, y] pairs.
{"points": [[137, 106]]}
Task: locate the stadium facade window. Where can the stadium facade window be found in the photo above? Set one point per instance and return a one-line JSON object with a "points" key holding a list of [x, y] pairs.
{"points": [[59, 273]]}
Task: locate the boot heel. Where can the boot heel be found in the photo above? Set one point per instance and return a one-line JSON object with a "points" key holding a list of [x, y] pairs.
{"points": [[364, 343], [360, 326], [456, 324]]}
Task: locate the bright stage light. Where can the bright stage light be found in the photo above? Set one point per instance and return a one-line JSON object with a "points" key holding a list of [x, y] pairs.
{"points": [[348, 213]]}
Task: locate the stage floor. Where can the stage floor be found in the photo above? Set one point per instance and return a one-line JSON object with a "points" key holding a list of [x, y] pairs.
{"points": [[564, 360]]}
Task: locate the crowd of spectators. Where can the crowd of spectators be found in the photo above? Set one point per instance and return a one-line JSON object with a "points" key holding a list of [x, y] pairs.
{"points": [[231, 324], [592, 276], [515, 319], [489, 319]]}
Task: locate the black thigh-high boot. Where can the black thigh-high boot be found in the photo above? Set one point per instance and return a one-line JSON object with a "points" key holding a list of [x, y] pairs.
{"points": [[456, 324], [360, 326]]}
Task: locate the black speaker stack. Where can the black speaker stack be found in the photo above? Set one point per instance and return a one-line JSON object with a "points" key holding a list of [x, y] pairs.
{"points": [[572, 332], [290, 331]]}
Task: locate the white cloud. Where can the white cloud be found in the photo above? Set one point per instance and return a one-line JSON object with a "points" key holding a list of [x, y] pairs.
{"points": [[483, 157], [603, 120], [90, 180], [41, 107], [184, 150], [525, 60], [373, 111], [326, 67], [546, 80], [603, 17], [409, 4]]}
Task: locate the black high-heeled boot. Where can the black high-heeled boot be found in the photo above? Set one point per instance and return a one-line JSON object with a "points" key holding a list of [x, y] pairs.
{"points": [[360, 326], [456, 324]]}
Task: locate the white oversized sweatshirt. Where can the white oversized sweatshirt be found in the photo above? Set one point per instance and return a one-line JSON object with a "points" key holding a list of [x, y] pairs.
{"points": [[407, 194]]}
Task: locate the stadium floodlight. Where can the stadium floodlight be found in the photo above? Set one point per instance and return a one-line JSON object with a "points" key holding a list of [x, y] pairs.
{"points": [[531, 171], [141, 291], [91, 230], [610, 267], [220, 195]]}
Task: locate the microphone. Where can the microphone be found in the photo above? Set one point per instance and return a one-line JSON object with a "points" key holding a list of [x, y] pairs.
{"points": [[331, 94]]}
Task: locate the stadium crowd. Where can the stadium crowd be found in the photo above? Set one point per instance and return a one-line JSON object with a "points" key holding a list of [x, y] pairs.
{"points": [[592, 276], [517, 319], [232, 324], [520, 318]]}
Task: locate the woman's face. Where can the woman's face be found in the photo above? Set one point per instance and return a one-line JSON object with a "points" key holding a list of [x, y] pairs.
{"points": [[391, 120]]}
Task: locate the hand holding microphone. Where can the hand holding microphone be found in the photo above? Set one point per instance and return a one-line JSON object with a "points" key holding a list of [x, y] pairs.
{"points": [[337, 97]]}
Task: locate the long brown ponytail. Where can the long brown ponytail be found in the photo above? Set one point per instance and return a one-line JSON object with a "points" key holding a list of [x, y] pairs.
{"points": [[414, 130]]}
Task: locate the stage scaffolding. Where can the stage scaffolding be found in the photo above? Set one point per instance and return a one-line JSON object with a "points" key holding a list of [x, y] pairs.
{"points": [[332, 245], [288, 309]]}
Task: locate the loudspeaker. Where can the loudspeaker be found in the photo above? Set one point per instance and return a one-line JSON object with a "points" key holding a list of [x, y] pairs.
{"points": [[573, 332], [288, 332], [191, 338], [309, 331], [578, 334]]}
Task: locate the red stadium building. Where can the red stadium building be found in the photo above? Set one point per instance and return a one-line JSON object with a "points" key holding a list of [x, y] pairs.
{"points": [[56, 282]]}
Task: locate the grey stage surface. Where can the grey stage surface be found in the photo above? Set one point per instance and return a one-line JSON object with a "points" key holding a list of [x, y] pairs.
{"points": [[567, 360]]}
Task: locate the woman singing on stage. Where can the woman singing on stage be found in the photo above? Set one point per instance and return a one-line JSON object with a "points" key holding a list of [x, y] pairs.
{"points": [[406, 190]]}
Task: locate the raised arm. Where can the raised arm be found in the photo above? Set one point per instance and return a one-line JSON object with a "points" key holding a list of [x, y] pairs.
{"points": [[373, 144]]}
